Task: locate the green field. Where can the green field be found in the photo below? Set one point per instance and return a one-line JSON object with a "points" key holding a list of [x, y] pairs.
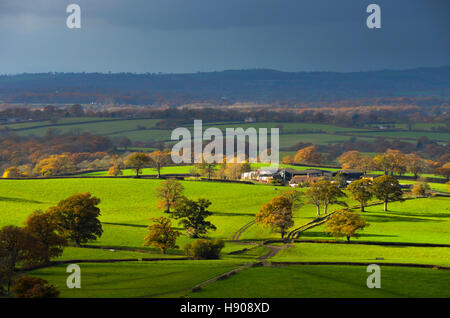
{"points": [[137, 279], [143, 130], [324, 252], [329, 281], [128, 203]]}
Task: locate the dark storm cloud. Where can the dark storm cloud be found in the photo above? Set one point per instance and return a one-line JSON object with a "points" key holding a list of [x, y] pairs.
{"points": [[207, 14], [203, 35]]}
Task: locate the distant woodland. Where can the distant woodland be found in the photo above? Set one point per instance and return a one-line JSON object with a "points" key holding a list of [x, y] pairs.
{"points": [[423, 87]]}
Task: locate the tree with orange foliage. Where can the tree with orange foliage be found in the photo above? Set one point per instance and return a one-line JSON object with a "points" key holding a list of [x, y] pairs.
{"points": [[114, 171], [444, 170], [162, 234], [55, 165], [13, 172], [168, 194], [355, 160], [392, 161], [415, 164], [287, 160], [276, 214], [34, 287], [159, 159], [309, 155], [345, 223]]}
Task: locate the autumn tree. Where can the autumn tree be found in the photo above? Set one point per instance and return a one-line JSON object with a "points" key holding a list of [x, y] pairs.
{"points": [[161, 234], [331, 194], [137, 161], [355, 160], [169, 193], [385, 162], [55, 165], [114, 171], [415, 164], [13, 172], [15, 245], [206, 169], [392, 161], [43, 226], [287, 160], [34, 287], [77, 218], [387, 189], [158, 160], [193, 216], [308, 155], [233, 171], [443, 170], [276, 214], [361, 191], [323, 193], [344, 224], [421, 189]]}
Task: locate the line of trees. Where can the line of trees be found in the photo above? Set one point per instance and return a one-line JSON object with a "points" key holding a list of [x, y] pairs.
{"points": [[278, 213]]}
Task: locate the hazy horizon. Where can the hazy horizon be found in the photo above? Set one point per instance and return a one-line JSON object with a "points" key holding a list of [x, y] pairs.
{"points": [[230, 70]]}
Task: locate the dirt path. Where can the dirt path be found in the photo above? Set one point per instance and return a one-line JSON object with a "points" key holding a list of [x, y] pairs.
{"points": [[273, 251], [237, 235]]}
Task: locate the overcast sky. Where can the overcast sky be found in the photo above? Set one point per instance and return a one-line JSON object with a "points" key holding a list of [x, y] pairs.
{"points": [[179, 36]]}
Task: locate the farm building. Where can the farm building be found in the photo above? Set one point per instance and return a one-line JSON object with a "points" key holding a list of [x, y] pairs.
{"points": [[284, 174]]}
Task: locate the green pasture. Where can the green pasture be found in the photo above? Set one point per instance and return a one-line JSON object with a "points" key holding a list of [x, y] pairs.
{"points": [[329, 252], [329, 281], [128, 204], [102, 127], [136, 279], [415, 221], [290, 133]]}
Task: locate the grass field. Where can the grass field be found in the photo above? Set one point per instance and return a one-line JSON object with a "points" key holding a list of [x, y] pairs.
{"points": [[328, 252], [137, 279], [329, 281], [290, 133], [128, 204], [413, 221]]}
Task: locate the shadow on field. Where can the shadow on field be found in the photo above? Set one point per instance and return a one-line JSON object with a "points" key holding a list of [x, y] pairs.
{"points": [[392, 218], [424, 214], [135, 225], [318, 234], [21, 200], [232, 214], [124, 224]]}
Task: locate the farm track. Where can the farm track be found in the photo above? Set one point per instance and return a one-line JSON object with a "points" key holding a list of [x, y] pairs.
{"points": [[238, 234]]}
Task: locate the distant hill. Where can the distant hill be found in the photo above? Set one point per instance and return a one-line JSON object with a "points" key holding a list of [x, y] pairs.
{"points": [[261, 85]]}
